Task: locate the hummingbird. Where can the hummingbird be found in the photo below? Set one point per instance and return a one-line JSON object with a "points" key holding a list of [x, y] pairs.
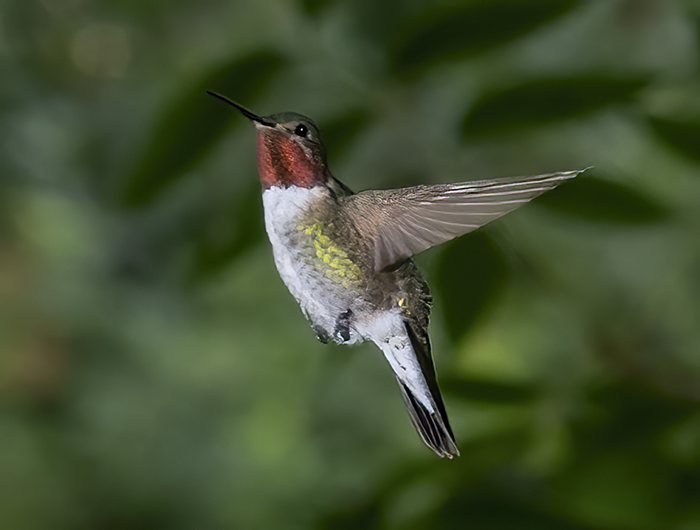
{"points": [[346, 257]]}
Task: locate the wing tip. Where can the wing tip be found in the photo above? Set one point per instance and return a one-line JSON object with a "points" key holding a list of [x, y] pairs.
{"points": [[555, 178], [571, 174]]}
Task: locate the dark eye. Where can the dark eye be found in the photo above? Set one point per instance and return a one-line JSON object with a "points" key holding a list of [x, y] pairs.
{"points": [[301, 130]]}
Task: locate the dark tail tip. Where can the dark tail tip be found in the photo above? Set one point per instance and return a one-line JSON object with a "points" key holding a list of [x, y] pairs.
{"points": [[433, 429]]}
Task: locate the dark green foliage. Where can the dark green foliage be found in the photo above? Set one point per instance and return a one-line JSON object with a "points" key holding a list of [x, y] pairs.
{"points": [[630, 414], [544, 101], [368, 517], [497, 513], [228, 233], [461, 30], [471, 274], [481, 390], [338, 133], [684, 136], [314, 7], [594, 199], [193, 123]]}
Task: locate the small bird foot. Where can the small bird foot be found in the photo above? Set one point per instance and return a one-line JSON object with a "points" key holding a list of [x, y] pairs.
{"points": [[342, 327]]}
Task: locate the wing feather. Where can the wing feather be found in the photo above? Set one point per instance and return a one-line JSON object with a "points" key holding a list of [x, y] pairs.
{"points": [[403, 222]]}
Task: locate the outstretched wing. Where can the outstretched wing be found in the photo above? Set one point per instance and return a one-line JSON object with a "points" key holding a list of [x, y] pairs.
{"points": [[403, 222]]}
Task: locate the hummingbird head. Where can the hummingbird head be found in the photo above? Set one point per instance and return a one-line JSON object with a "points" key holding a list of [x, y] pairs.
{"points": [[290, 152]]}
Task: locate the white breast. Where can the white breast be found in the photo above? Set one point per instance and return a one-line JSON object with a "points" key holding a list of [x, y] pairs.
{"points": [[283, 209]]}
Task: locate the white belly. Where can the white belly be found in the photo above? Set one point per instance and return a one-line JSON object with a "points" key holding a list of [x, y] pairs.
{"points": [[319, 299]]}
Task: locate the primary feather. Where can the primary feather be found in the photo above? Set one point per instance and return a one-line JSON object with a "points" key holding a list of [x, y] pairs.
{"points": [[410, 220]]}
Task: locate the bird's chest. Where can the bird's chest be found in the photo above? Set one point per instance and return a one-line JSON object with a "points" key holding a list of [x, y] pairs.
{"points": [[312, 263]]}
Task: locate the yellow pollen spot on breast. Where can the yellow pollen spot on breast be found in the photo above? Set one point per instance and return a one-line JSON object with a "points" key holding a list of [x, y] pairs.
{"points": [[332, 260]]}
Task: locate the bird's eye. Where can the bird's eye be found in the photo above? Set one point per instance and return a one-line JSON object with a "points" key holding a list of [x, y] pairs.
{"points": [[302, 130]]}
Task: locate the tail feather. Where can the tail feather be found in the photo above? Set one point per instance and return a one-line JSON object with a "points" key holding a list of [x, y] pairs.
{"points": [[408, 353], [434, 423], [434, 431], [421, 348]]}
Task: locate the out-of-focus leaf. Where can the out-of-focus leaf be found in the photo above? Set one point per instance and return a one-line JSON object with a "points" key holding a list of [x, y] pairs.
{"points": [[632, 414], [606, 484], [487, 391], [631, 344], [193, 123], [229, 235], [378, 22], [683, 136], [367, 516], [479, 457], [596, 199], [496, 512], [313, 7], [544, 101], [471, 272], [612, 490], [469, 28], [338, 133]]}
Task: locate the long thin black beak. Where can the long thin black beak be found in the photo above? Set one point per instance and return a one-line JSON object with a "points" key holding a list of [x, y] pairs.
{"points": [[251, 116]]}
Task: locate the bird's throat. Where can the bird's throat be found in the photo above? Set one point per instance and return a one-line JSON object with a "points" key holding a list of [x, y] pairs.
{"points": [[282, 162]]}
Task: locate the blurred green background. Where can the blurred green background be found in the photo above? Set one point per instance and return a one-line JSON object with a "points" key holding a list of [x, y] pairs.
{"points": [[156, 374]]}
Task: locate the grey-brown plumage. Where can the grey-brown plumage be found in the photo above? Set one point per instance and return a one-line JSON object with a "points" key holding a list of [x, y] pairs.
{"points": [[346, 257], [407, 221]]}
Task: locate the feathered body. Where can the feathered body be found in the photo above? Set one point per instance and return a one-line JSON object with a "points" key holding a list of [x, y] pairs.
{"points": [[346, 301], [346, 257]]}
